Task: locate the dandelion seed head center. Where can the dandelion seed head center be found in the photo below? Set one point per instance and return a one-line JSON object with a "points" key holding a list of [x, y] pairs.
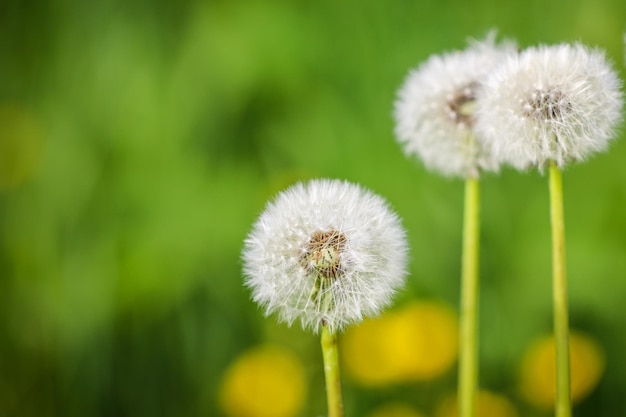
{"points": [[322, 255], [460, 105], [546, 105]]}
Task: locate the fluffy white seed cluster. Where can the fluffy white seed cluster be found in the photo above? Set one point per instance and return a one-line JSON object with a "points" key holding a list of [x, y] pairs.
{"points": [[434, 110], [549, 103], [473, 110], [326, 252]]}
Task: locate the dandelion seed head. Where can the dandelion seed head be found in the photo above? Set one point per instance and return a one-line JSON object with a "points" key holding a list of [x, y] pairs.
{"points": [[325, 252], [559, 103], [434, 110]]}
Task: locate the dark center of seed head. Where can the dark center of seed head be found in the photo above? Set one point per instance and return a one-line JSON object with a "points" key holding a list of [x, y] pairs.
{"points": [[460, 105], [547, 105], [323, 253]]}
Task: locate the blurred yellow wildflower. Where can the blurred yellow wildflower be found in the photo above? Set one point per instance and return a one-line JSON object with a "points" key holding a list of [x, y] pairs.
{"points": [[488, 404], [537, 375], [415, 343], [395, 410], [21, 146], [264, 382]]}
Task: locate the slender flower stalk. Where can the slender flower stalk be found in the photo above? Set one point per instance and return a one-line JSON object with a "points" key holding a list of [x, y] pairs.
{"points": [[327, 253], [331, 372], [435, 121], [559, 293], [549, 106], [468, 354]]}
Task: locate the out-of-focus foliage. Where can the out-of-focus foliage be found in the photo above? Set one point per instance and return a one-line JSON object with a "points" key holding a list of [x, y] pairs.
{"points": [[140, 140]]}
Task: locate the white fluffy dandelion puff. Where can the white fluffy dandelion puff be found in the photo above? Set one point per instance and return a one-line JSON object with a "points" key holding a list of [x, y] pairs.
{"points": [[434, 109], [550, 103], [325, 253]]}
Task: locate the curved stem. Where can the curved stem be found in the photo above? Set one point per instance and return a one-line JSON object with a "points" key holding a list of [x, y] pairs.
{"points": [[331, 372], [559, 293], [468, 340]]}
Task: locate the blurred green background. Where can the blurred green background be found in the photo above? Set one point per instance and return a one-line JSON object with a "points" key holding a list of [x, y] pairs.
{"points": [[140, 140]]}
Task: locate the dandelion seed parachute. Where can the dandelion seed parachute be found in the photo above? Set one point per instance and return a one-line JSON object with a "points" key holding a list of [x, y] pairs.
{"points": [[325, 252]]}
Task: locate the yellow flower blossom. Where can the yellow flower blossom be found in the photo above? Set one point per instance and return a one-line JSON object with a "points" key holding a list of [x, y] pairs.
{"points": [[415, 343], [537, 376], [264, 382], [488, 404], [395, 410]]}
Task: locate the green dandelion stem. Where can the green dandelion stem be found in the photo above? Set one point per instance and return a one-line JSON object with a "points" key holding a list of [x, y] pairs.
{"points": [[468, 350], [331, 372], [559, 293]]}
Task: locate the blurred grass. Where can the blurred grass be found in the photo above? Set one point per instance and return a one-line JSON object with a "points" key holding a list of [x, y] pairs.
{"points": [[161, 129]]}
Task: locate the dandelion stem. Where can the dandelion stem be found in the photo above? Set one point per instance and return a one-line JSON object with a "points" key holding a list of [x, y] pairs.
{"points": [[331, 372], [559, 290], [468, 355]]}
